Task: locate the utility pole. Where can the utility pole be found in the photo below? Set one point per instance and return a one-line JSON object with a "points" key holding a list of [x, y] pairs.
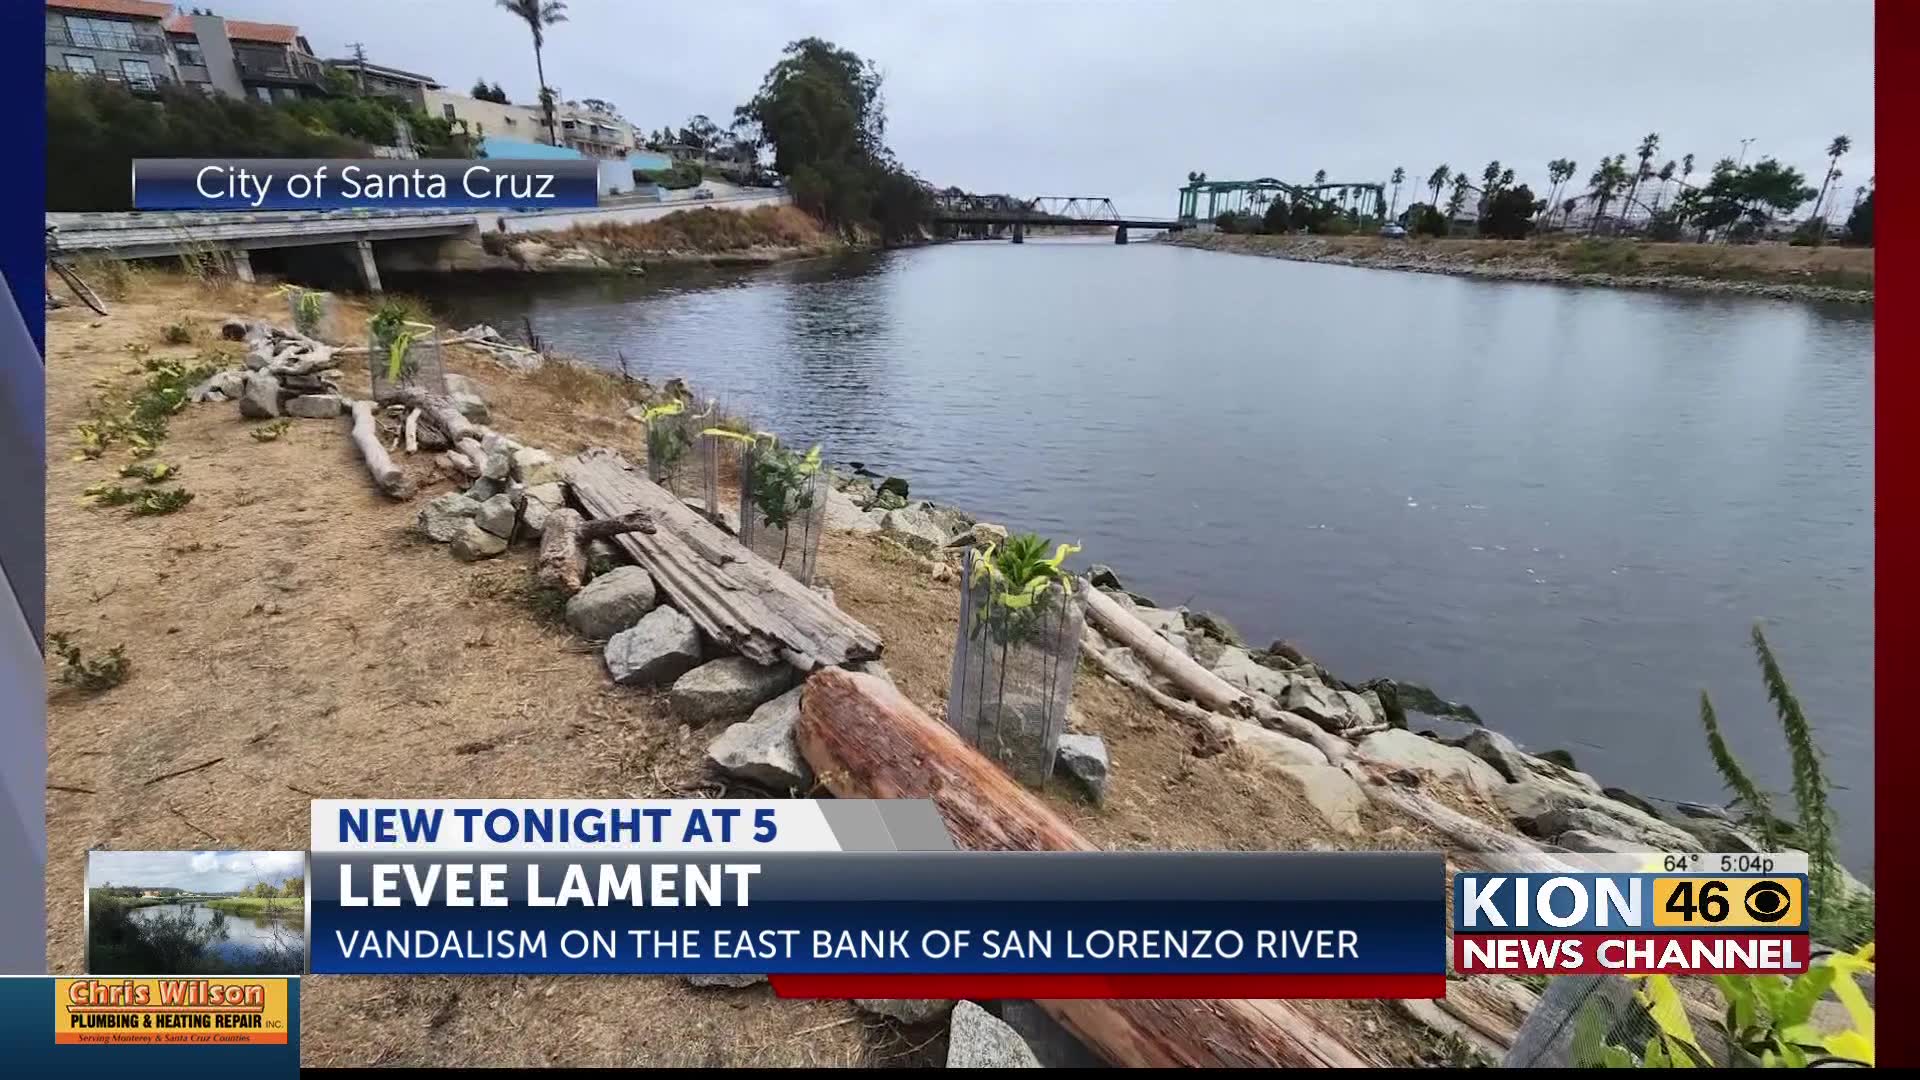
{"points": [[360, 56]]}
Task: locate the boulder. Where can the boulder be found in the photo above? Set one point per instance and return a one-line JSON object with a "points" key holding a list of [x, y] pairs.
{"points": [[1084, 758], [986, 532], [474, 543], [472, 406], [844, 513], [662, 646], [914, 526], [1269, 747], [1540, 808], [1400, 749], [1236, 666], [260, 398], [726, 688], [611, 602], [554, 495], [762, 750], [1622, 795], [1337, 797], [1101, 576], [979, 1040], [534, 467], [499, 466], [461, 384], [445, 517], [1320, 703], [315, 406], [483, 489], [1498, 751], [533, 518], [905, 1010], [1650, 835], [729, 982], [498, 516]]}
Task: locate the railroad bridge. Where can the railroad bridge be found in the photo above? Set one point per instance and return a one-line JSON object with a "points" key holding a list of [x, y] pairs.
{"points": [[979, 217]]}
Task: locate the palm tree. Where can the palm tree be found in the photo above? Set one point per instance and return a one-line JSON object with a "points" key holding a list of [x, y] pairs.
{"points": [[1458, 200], [1605, 181], [1666, 177], [1319, 176], [1648, 147], [538, 15], [1840, 145], [1559, 171], [1489, 182], [1399, 175], [1437, 181]]}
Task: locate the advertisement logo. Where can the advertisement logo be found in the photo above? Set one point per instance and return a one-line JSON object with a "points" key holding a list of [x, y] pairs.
{"points": [[192, 1011]]}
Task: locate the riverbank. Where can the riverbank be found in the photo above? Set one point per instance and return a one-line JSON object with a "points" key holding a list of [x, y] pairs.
{"points": [[1779, 271], [256, 906], [704, 236]]}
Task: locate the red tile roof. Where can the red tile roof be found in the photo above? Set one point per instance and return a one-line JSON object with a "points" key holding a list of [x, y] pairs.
{"points": [[144, 9], [276, 33]]}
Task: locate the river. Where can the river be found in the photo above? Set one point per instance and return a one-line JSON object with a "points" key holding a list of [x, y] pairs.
{"points": [[1565, 506], [246, 936]]}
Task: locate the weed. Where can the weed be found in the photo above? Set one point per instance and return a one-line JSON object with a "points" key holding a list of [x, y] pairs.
{"points": [[110, 495], [98, 674], [270, 432], [178, 333], [152, 503], [153, 472]]}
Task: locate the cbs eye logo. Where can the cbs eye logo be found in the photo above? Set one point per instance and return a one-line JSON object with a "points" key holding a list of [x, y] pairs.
{"points": [[1767, 902]]}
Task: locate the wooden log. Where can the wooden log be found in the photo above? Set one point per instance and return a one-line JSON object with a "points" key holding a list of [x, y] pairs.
{"points": [[1186, 673], [410, 431], [739, 600], [1193, 716], [440, 411], [366, 436], [317, 359], [470, 452], [864, 739], [563, 544], [1470, 841]]}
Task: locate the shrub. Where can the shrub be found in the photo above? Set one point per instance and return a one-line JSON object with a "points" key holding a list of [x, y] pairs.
{"points": [[1860, 223], [1424, 220], [97, 674], [1508, 214], [178, 333]]}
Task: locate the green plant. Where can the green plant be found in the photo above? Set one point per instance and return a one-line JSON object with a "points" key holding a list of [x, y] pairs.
{"points": [[152, 503], [667, 438], [178, 333], [110, 495], [780, 482], [1745, 791], [1020, 580], [153, 472], [394, 332], [270, 432], [308, 308], [98, 674]]}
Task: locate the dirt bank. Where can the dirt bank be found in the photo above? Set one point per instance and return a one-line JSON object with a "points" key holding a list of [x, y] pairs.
{"points": [[288, 627], [703, 236], [1781, 271]]}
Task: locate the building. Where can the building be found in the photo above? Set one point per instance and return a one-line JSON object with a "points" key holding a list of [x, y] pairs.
{"points": [[269, 61], [593, 127], [406, 86], [120, 40], [484, 120]]}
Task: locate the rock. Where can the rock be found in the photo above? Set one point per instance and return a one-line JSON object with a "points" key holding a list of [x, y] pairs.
{"points": [[1337, 797], [445, 517], [1236, 666], [1321, 704], [844, 513], [1101, 576], [611, 603], [260, 398], [534, 467], [498, 515], [662, 646], [729, 982], [1622, 795], [533, 518], [1420, 699], [1267, 746], [986, 532], [1540, 807], [1403, 749], [979, 1040], [1542, 768], [221, 386], [461, 384], [484, 489], [1359, 709], [314, 406], [1084, 757], [879, 671], [916, 527], [1286, 650], [762, 749], [951, 520], [499, 464], [474, 543], [728, 687], [1562, 758], [554, 495], [472, 407], [1498, 751], [905, 1010], [1213, 626]]}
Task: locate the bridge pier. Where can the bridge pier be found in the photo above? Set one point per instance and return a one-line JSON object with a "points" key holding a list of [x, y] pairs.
{"points": [[1120, 234], [369, 270], [1019, 233], [242, 262]]}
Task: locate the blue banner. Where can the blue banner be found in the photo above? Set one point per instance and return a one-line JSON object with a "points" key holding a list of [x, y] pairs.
{"points": [[363, 184]]}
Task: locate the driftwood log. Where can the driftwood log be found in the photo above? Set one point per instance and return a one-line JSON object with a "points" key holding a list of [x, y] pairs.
{"points": [[1203, 686], [563, 544], [735, 597], [366, 437], [865, 740], [441, 412]]}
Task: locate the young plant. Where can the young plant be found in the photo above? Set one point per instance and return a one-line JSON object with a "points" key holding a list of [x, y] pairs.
{"points": [[98, 674], [781, 483], [152, 503], [1019, 578], [270, 432], [394, 331], [667, 440], [153, 472], [308, 308], [110, 495]]}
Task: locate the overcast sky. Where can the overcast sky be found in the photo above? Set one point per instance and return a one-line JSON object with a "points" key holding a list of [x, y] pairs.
{"points": [[197, 871], [1124, 98]]}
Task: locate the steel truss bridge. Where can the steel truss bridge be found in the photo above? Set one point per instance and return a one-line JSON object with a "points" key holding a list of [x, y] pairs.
{"points": [[1363, 199], [971, 216]]}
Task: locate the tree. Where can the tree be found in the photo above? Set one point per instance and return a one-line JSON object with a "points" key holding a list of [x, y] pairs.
{"points": [[1648, 147], [1860, 222], [1559, 170], [1840, 145], [1399, 177], [700, 133], [1458, 200], [294, 886], [1607, 179], [1508, 213], [1424, 220], [483, 92], [1666, 177], [1747, 195], [538, 15], [1436, 181], [1489, 181]]}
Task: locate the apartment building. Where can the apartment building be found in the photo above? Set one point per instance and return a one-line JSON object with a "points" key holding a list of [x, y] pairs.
{"points": [[120, 40], [592, 127], [484, 119], [380, 80], [147, 45]]}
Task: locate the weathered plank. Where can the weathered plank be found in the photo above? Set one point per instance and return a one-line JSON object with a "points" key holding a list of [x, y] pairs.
{"points": [[735, 597], [864, 739]]}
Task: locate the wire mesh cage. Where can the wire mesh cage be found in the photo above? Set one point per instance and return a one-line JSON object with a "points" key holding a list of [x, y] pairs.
{"points": [[312, 312], [1014, 660], [721, 468], [783, 505], [403, 354], [1577, 1018], [673, 461]]}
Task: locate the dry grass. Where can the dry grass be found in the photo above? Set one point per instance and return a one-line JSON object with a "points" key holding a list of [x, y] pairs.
{"points": [[706, 231], [289, 623]]}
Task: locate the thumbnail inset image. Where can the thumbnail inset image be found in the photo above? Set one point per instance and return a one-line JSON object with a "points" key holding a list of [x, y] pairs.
{"points": [[196, 913]]}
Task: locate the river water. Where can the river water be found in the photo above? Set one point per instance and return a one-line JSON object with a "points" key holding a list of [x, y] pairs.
{"points": [[245, 936], [1564, 506]]}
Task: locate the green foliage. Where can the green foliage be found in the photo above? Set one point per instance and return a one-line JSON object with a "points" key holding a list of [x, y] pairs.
{"points": [[1860, 222], [1809, 778], [483, 92], [1767, 1021], [139, 422], [153, 503], [96, 128], [1230, 222], [394, 332], [1746, 195], [683, 174], [102, 673], [1022, 583], [270, 432], [177, 333], [153, 472], [781, 481], [1424, 220], [1745, 791], [1508, 213], [820, 110], [668, 437], [1810, 233], [308, 306]]}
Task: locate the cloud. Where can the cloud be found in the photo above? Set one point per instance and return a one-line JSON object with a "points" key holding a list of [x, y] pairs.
{"points": [[200, 871]]}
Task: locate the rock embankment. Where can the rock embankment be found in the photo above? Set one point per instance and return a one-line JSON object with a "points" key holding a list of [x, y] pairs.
{"points": [[1523, 264]]}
